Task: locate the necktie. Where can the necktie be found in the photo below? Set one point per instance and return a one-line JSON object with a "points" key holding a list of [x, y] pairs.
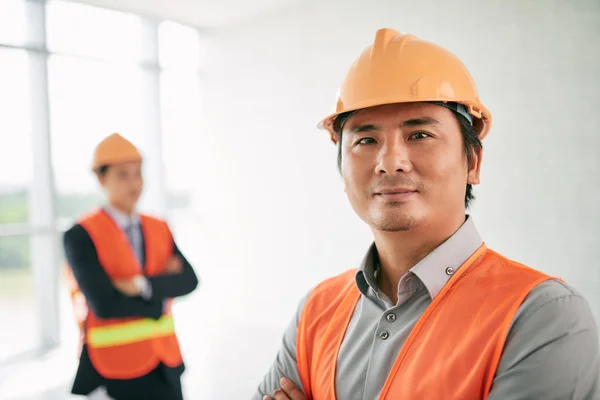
{"points": [[131, 235]]}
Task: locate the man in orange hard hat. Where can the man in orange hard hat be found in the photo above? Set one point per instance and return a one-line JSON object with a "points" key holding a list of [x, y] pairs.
{"points": [[124, 270], [431, 312]]}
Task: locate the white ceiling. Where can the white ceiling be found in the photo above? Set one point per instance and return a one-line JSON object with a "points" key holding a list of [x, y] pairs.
{"points": [[199, 13]]}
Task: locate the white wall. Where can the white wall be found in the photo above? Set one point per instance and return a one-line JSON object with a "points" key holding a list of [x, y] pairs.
{"points": [[275, 219]]}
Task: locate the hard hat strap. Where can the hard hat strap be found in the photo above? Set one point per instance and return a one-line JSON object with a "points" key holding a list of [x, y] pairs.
{"points": [[340, 120], [457, 107]]}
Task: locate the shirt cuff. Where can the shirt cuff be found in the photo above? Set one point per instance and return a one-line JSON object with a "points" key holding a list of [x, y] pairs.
{"points": [[144, 286]]}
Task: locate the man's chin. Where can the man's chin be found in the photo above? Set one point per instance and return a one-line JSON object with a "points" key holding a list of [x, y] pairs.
{"points": [[391, 222]]}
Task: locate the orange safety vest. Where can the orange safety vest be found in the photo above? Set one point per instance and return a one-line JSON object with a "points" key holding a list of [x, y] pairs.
{"points": [[452, 352], [126, 348]]}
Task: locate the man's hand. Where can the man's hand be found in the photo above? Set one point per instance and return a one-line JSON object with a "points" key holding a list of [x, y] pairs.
{"points": [[127, 287], [174, 266], [288, 391]]}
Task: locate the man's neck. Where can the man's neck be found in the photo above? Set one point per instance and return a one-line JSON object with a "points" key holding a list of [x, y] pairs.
{"points": [[400, 251], [121, 210]]}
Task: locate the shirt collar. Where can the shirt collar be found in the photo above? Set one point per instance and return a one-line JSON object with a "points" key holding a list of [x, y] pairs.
{"points": [[365, 276], [436, 268], [122, 219]]}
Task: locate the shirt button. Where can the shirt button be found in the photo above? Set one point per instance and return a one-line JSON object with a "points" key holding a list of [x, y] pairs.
{"points": [[384, 335], [449, 271], [391, 317]]}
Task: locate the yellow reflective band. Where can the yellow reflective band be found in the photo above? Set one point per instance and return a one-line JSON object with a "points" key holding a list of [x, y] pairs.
{"points": [[130, 332]]}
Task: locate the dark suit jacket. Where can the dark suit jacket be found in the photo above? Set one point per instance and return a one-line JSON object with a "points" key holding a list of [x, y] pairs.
{"points": [[107, 302]]}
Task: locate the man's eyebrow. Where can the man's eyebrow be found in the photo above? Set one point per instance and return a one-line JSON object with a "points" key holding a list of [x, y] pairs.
{"points": [[409, 123], [419, 121], [363, 128]]}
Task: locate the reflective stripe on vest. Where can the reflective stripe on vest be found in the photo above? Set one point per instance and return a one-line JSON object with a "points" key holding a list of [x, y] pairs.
{"points": [[130, 332]]}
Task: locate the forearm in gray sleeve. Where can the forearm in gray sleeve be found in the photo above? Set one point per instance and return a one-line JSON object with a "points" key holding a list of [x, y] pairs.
{"points": [[285, 365]]}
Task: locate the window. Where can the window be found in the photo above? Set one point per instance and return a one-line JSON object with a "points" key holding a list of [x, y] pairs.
{"points": [[181, 108], [12, 22], [15, 159], [17, 299], [16, 282], [89, 101], [182, 146], [91, 31]]}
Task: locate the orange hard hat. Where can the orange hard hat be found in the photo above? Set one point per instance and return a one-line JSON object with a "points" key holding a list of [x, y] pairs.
{"points": [[400, 68], [114, 149]]}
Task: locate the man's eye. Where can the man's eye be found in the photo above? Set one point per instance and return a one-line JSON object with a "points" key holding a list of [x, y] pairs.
{"points": [[366, 140], [419, 135]]}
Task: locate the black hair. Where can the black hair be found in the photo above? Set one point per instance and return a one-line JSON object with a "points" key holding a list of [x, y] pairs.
{"points": [[471, 143]]}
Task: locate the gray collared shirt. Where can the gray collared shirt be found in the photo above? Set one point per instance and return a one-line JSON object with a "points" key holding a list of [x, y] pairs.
{"points": [[552, 349]]}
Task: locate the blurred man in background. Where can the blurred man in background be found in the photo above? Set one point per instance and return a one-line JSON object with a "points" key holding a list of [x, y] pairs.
{"points": [[124, 270], [431, 312]]}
